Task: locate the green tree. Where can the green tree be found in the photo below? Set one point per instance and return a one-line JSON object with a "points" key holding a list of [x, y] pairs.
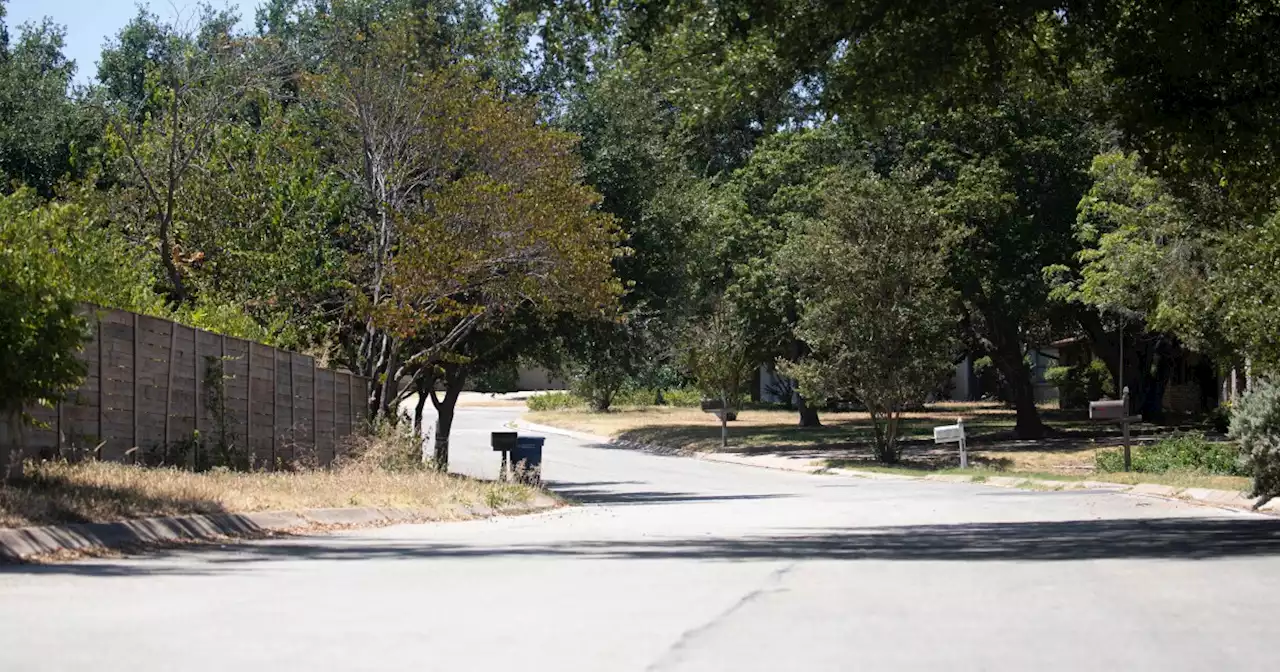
{"points": [[475, 210], [876, 309], [1147, 274], [717, 354], [192, 82], [1255, 423], [44, 128], [774, 194], [40, 330]]}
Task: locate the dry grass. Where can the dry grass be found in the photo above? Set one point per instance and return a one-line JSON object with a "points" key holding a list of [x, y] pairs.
{"points": [[844, 440], [378, 476], [775, 431]]}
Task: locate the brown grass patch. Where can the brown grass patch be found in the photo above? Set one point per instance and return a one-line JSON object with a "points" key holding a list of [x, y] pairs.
{"points": [[381, 473], [846, 437]]}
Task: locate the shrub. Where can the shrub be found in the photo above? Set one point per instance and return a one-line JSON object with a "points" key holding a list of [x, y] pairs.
{"points": [[599, 386], [1255, 423], [1078, 385], [683, 397], [1220, 418], [40, 332], [638, 396], [1179, 452], [385, 447], [555, 401]]}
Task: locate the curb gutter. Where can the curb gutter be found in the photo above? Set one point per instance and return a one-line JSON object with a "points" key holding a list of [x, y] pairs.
{"points": [[23, 543], [1229, 499]]}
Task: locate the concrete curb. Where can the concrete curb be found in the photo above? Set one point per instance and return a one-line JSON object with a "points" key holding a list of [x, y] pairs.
{"points": [[23, 543], [1219, 498]]}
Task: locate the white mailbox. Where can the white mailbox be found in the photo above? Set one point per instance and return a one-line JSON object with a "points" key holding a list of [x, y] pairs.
{"points": [[953, 434], [948, 434]]}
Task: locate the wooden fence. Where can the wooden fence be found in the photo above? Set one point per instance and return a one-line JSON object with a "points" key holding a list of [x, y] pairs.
{"points": [[151, 382]]}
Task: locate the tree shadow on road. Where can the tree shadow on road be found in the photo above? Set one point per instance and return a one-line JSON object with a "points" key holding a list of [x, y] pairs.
{"points": [[1162, 538], [607, 492]]}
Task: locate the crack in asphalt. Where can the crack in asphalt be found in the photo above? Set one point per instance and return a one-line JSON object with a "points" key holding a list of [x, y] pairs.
{"points": [[675, 653]]}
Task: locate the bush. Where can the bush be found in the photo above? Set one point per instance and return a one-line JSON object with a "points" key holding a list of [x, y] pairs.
{"points": [[1255, 423], [40, 332], [1188, 452], [386, 447], [683, 397], [1220, 418], [555, 401], [1078, 385]]}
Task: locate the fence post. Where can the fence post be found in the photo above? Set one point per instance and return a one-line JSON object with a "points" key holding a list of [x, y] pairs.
{"points": [[333, 376], [351, 402], [168, 390], [315, 411], [293, 398], [136, 389], [195, 406], [275, 403], [102, 385], [248, 402]]}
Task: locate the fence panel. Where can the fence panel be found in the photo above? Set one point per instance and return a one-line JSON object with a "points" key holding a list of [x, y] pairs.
{"points": [[151, 388]]}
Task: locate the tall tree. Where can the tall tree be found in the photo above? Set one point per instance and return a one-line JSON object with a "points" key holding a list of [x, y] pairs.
{"points": [[191, 83], [875, 305], [44, 128]]}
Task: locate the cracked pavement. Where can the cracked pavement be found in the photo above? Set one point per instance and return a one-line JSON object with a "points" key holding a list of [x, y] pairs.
{"points": [[680, 564]]}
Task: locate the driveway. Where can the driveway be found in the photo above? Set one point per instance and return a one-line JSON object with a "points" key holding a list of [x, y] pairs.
{"points": [[680, 564]]}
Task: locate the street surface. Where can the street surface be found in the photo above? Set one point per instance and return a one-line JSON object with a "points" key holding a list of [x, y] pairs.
{"points": [[682, 564]]}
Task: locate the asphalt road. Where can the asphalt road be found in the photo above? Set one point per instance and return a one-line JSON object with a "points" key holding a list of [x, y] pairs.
{"points": [[681, 564]]}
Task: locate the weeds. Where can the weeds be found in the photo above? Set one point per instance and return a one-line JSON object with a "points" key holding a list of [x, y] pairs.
{"points": [[381, 469], [1181, 452]]}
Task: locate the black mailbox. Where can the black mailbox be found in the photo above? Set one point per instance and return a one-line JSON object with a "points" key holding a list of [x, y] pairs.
{"points": [[503, 441]]}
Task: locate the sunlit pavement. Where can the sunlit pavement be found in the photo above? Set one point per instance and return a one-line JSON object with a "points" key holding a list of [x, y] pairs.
{"points": [[679, 564]]}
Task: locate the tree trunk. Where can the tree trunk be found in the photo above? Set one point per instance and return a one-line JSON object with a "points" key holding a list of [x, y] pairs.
{"points": [[454, 380], [1022, 393], [808, 414], [418, 408]]}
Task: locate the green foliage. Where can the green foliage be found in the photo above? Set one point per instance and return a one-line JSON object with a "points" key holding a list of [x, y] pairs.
{"points": [[1255, 424], [1143, 258], [875, 307], [1189, 452], [1250, 291], [99, 265], [44, 130], [500, 377], [555, 401], [679, 397], [1078, 385], [40, 330], [683, 397], [717, 354], [598, 384]]}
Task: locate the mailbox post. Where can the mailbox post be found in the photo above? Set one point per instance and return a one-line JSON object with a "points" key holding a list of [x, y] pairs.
{"points": [[722, 411], [953, 434], [1116, 411], [503, 442]]}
